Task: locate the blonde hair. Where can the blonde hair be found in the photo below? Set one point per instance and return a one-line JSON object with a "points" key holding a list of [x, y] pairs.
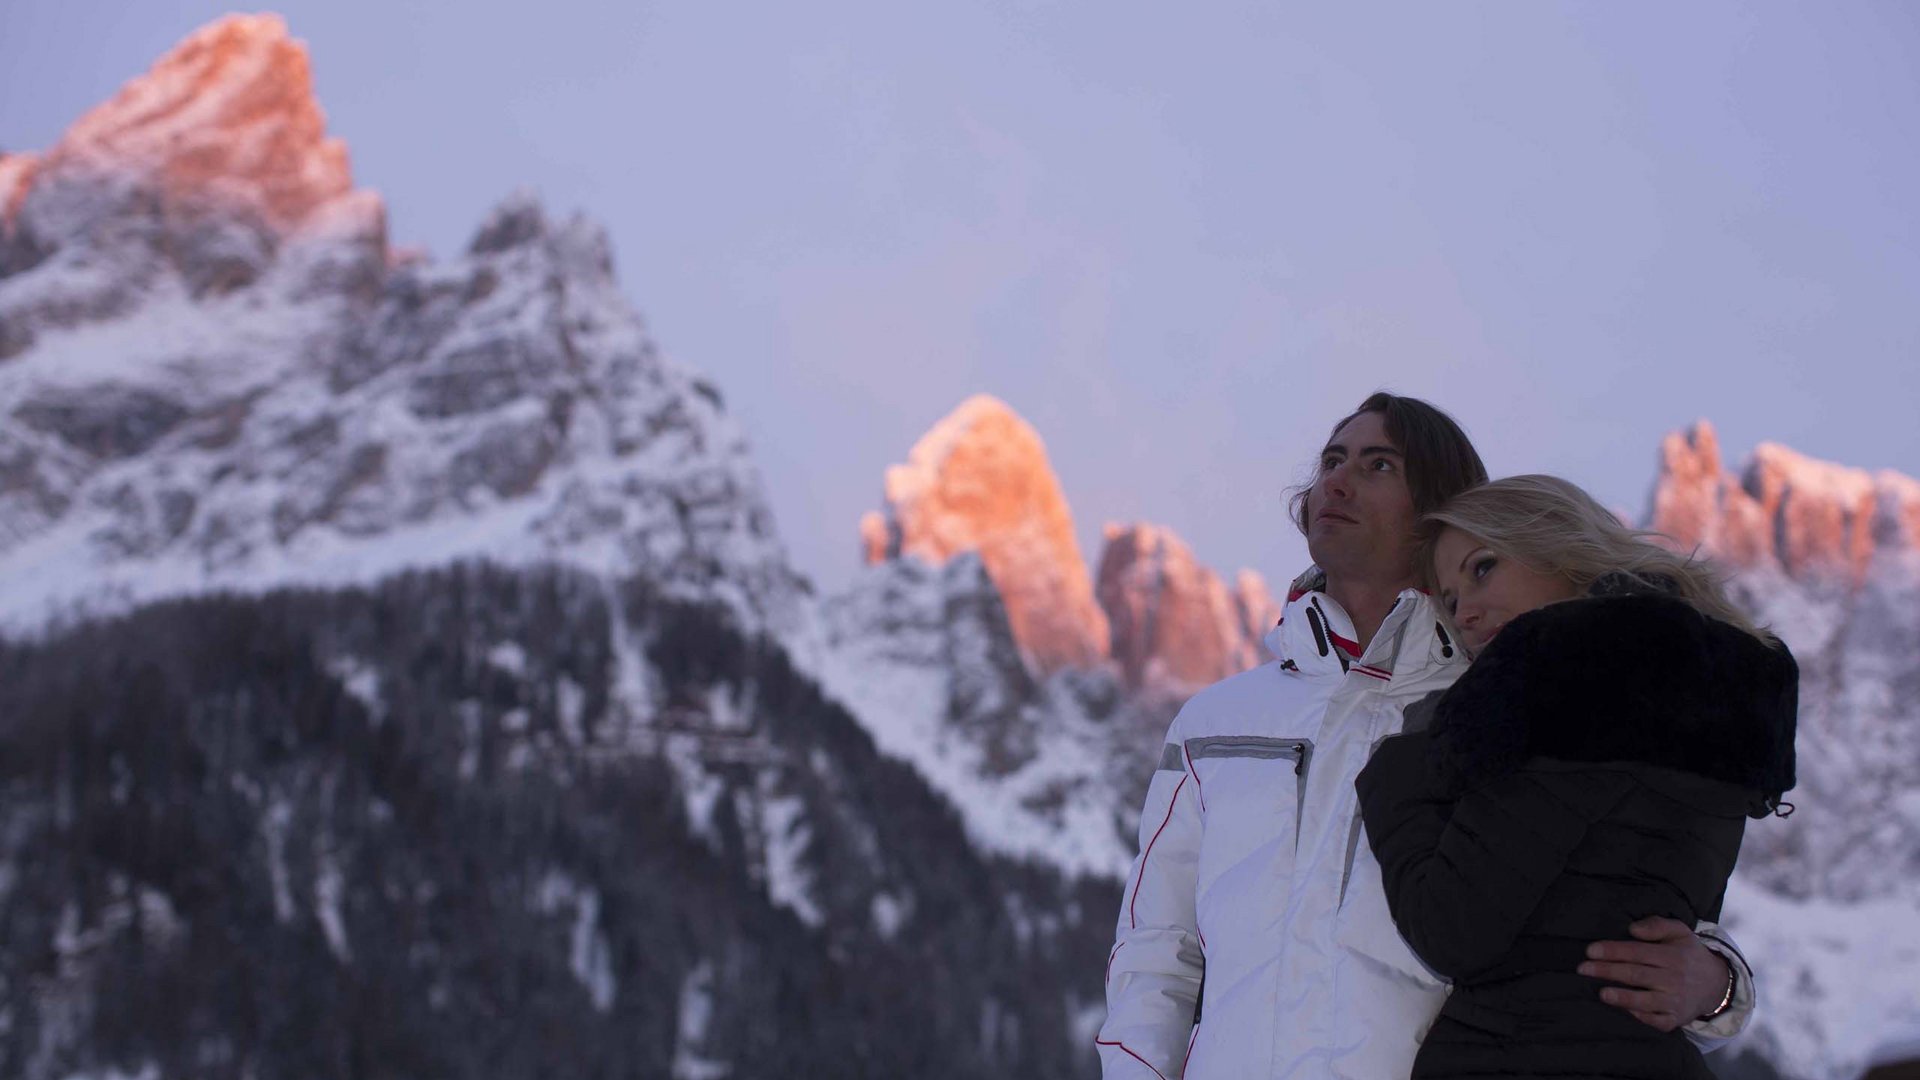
{"points": [[1553, 527]]}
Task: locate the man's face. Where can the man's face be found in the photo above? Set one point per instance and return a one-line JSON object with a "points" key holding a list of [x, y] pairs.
{"points": [[1360, 518]]}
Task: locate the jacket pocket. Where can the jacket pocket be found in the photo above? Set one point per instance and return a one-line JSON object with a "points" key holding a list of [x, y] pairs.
{"points": [[1254, 784], [1297, 752]]}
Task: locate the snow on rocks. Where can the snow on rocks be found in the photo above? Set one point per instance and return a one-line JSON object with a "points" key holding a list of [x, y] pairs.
{"points": [[267, 398], [926, 657], [1837, 979], [1828, 557]]}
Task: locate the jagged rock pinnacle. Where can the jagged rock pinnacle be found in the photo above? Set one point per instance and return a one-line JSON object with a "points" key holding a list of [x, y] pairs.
{"points": [[1174, 622], [980, 481], [228, 116], [1813, 520]]}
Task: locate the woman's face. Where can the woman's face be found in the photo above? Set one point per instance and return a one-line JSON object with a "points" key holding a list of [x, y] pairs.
{"points": [[1483, 590]]}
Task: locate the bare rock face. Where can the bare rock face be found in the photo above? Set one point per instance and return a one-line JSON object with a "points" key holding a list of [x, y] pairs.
{"points": [[980, 481], [1815, 522], [1259, 611], [1174, 623], [228, 117], [16, 176], [213, 375], [202, 178], [1828, 557]]}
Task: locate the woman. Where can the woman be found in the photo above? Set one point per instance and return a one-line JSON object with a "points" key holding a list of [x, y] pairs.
{"points": [[1594, 766]]}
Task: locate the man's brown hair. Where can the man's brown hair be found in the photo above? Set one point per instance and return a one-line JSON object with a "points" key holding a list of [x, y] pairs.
{"points": [[1441, 460]]}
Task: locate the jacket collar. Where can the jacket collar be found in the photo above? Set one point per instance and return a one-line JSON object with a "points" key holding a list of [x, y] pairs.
{"points": [[1315, 637]]}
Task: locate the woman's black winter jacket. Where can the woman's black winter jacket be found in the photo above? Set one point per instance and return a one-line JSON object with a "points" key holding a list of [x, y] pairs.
{"points": [[1594, 766]]}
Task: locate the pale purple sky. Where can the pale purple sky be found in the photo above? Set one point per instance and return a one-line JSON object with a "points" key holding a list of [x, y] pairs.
{"points": [[1180, 241]]}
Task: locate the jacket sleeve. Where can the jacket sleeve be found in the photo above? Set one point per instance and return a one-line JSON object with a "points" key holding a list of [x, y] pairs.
{"points": [[1155, 968], [1463, 874], [1711, 1035]]}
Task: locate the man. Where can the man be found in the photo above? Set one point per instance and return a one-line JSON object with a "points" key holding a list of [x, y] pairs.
{"points": [[1254, 881]]}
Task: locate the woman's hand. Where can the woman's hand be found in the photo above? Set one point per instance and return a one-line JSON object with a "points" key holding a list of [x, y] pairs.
{"points": [[1667, 978]]}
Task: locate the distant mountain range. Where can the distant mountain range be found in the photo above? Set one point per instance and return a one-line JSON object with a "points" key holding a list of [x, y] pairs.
{"points": [[406, 676]]}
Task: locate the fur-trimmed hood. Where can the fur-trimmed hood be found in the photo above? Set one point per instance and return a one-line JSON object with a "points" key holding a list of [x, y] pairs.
{"points": [[1634, 678]]}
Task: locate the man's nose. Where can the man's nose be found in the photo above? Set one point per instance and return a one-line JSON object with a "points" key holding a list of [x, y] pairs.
{"points": [[1336, 481]]}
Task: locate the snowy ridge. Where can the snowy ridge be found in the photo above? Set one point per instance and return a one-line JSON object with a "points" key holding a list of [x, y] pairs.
{"points": [[1837, 980], [925, 657], [200, 402], [215, 375], [949, 645], [1829, 558]]}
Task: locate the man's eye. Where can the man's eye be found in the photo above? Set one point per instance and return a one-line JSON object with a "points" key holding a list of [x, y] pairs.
{"points": [[1381, 465], [1329, 463]]}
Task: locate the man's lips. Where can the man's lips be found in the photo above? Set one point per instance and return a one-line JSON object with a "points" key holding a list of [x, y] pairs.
{"points": [[1334, 515]]}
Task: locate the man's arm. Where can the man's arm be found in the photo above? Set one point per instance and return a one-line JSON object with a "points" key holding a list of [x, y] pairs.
{"points": [[1155, 968], [1673, 977]]}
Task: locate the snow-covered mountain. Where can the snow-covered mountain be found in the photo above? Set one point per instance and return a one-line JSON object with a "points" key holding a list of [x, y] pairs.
{"points": [[216, 375], [215, 372], [975, 645], [1827, 901]]}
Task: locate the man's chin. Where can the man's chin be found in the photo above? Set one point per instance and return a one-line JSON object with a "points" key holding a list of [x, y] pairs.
{"points": [[1331, 540]]}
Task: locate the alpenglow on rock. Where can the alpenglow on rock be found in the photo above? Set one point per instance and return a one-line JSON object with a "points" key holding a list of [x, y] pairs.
{"points": [[226, 121], [1174, 623], [980, 481], [214, 373], [1828, 558], [1816, 522]]}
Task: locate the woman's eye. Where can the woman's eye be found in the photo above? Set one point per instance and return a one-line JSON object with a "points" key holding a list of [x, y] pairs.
{"points": [[1484, 567]]}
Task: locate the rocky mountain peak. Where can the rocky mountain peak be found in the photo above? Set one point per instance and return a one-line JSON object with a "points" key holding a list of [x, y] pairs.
{"points": [[228, 116], [1815, 521], [577, 247], [1174, 622], [212, 375], [980, 481], [16, 175]]}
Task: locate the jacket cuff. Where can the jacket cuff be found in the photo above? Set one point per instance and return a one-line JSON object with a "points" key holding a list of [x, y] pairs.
{"points": [[1712, 1034]]}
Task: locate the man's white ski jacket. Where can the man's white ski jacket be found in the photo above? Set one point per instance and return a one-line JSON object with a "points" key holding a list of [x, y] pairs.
{"points": [[1254, 872]]}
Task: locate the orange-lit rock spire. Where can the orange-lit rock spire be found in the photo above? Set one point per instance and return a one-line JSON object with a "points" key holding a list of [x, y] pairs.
{"points": [[228, 117], [1813, 520], [980, 481], [1175, 623]]}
